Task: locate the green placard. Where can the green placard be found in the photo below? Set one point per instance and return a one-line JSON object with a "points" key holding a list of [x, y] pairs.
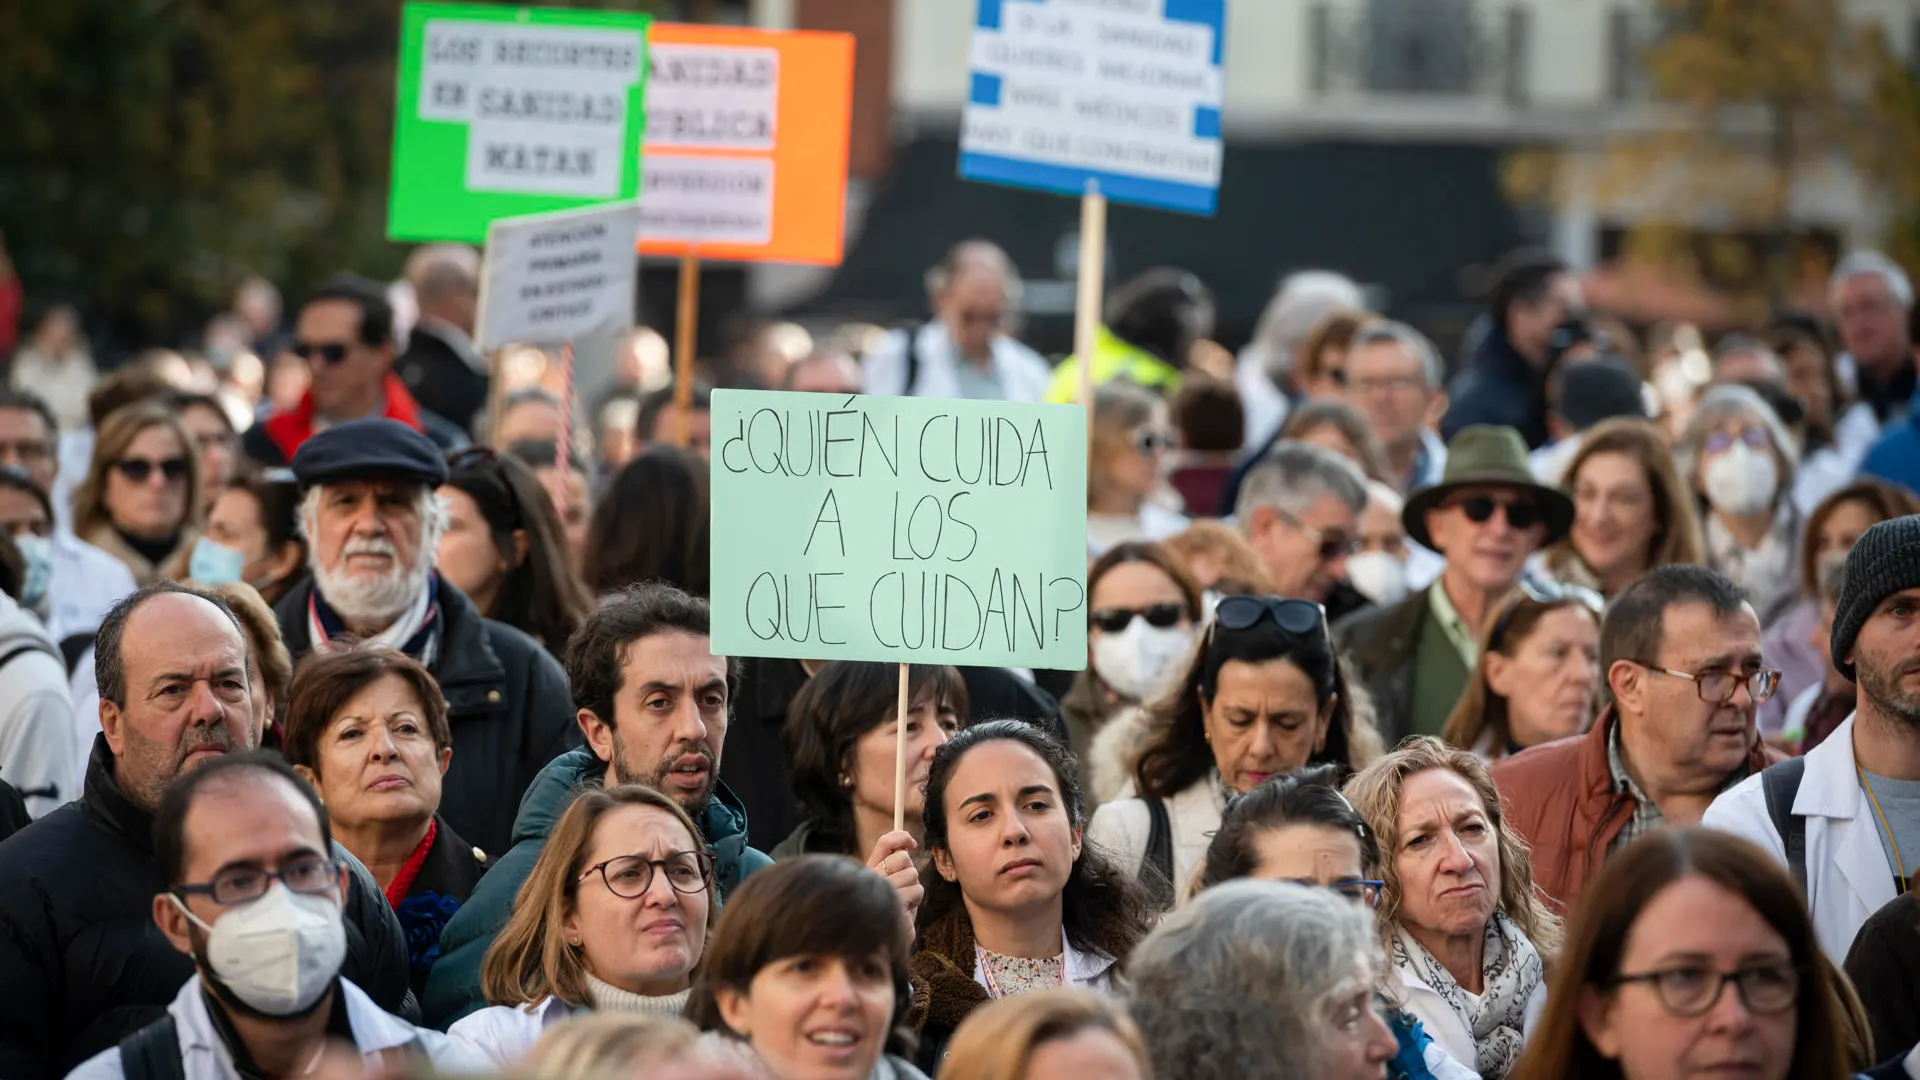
{"points": [[899, 529], [504, 111]]}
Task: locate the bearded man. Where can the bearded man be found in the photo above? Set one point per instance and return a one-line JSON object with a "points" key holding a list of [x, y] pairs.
{"points": [[373, 520]]}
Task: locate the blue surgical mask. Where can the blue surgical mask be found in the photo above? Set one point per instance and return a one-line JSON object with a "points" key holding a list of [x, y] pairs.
{"points": [[215, 564], [36, 552]]}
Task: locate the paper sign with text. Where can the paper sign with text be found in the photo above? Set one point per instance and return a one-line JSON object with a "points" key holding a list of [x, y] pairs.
{"points": [[746, 145], [506, 111], [559, 277], [1123, 92], [899, 529]]}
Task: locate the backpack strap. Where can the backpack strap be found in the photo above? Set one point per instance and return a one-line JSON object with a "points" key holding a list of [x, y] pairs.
{"points": [[1781, 783], [153, 1052], [1156, 867], [912, 359], [72, 648]]}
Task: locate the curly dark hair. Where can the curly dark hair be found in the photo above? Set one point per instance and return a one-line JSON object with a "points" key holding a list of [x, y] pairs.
{"points": [[1103, 909]]}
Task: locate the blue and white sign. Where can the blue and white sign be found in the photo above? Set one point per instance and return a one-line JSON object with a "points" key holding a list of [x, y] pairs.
{"points": [[1125, 93]]}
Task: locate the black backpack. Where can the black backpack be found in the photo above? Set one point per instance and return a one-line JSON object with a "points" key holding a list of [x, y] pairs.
{"points": [[1781, 783]]}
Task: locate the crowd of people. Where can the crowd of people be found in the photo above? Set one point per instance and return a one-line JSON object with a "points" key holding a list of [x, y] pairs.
{"points": [[1542, 714]]}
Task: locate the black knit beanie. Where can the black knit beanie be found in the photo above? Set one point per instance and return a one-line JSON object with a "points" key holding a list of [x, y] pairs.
{"points": [[1885, 560]]}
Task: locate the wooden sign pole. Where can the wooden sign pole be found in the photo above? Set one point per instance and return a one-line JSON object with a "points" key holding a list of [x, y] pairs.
{"points": [[685, 335], [1091, 284], [900, 757]]}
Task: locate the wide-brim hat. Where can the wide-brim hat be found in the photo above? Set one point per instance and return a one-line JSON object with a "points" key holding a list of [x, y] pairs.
{"points": [[1483, 455]]}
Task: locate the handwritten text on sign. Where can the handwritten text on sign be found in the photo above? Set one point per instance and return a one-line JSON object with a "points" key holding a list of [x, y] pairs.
{"points": [[899, 529]]}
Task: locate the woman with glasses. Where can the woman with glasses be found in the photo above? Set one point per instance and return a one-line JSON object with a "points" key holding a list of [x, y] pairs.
{"points": [[1300, 829], [1464, 930], [1126, 496], [1016, 901], [614, 917], [140, 500], [1263, 695], [1143, 612], [1538, 676], [1739, 462], [368, 728], [505, 549], [1692, 955], [1631, 511]]}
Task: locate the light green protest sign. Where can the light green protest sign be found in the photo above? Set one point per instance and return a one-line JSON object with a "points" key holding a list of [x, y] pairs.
{"points": [[505, 111], [899, 529]]}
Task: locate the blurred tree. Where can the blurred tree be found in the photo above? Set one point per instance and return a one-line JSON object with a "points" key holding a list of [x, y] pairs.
{"points": [[1749, 102], [154, 152]]}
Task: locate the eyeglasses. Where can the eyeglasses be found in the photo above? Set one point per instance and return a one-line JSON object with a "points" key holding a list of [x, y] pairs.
{"points": [[630, 876], [332, 352], [1333, 545], [213, 440], [1296, 617], [1521, 513], [1549, 592], [1360, 890], [312, 875], [25, 450], [1116, 620], [1388, 384], [1148, 441], [1694, 991], [1720, 442], [1717, 687], [140, 470]]}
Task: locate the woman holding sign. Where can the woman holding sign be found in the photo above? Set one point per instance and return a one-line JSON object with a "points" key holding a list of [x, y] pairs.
{"points": [[839, 739], [1017, 901], [1264, 695]]}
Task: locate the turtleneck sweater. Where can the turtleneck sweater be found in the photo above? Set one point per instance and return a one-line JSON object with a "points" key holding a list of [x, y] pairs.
{"points": [[609, 998]]}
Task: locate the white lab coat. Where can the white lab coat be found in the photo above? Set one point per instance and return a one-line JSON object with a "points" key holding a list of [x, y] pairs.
{"points": [[1848, 877], [205, 1056], [508, 1033]]}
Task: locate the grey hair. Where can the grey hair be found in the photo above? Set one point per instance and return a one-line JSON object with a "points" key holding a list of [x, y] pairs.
{"points": [[1381, 331], [1293, 476], [1735, 344], [434, 519], [1241, 982], [975, 252], [1302, 300], [1861, 263], [1726, 402], [109, 661]]}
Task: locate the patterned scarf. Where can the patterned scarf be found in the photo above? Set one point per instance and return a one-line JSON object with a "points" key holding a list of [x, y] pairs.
{"points": [[1510, 972], [416, 632]]}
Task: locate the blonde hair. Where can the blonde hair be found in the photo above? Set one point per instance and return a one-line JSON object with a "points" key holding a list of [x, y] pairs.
{"points": [[1375, 792], [998, 1040], [1240, 566], [117, 433], [608, 1044], [530, 960]]}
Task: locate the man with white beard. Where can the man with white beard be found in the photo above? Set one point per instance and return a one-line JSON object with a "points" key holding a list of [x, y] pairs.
{"points": [[372, 522]]}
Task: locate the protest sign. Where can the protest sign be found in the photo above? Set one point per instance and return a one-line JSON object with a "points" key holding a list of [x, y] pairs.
{"points": [[899, 530], [552, 278], [506, 111], [746, 143], [1124, 95]]}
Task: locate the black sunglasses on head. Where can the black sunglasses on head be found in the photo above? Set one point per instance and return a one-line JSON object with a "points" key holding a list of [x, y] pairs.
{"points": [[140, 470], [1116, 620], [1521, 513], [332, 352], [1546, 591], [1296, 617]]}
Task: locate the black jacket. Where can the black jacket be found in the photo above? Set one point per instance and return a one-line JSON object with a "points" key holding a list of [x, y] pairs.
{"points": [[507, 702], [1884, 965], [82, 964], [1502, 387], [438, 371]]}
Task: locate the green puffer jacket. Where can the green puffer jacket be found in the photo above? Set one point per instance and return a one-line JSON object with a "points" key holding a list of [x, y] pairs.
{"points": [[453, 987]]}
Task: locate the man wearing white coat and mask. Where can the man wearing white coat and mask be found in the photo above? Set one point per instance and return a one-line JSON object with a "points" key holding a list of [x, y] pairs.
{"points": [[1846, 817], [253, 893]]}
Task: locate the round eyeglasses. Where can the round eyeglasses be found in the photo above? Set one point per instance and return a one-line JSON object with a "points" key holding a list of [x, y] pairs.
{"points": [[630, 876]]}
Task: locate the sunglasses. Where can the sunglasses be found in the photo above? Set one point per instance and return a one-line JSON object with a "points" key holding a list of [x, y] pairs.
{"points": [[1549, 592], [1116, 620], [140, 470], [1331, 545], [1521, 513], [1296, 617], [1148, 441], [332, 352]]}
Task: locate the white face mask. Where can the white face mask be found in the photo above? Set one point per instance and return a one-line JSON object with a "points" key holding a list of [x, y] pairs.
{"points": [[278, 953], [1379, 576], [1136, 660], [1741, 480]]}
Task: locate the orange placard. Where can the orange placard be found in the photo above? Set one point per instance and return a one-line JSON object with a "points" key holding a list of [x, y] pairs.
{"points": [[745, 156]]}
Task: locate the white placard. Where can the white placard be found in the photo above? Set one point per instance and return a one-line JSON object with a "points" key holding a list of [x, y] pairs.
{"points": [[558, 277], [706, 200], [712, 96]]}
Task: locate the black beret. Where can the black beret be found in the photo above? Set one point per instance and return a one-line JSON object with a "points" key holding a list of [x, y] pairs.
{"points": [[373, 447]]}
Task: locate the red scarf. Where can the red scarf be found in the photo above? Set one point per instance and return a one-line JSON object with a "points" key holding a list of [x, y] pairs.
{"points": [[403, 881], [295, 426]]}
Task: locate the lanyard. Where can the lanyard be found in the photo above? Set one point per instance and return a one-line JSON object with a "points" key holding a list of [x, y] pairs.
{"points": [[1899, 865]]}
